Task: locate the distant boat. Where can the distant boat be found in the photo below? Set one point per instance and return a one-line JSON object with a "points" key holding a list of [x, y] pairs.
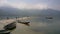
{"points": [[4, 32], [10, 26], [26, 23], [49, 17]]}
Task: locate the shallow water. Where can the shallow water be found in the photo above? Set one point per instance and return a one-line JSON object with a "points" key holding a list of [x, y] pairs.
{"points": [[38, 25]]}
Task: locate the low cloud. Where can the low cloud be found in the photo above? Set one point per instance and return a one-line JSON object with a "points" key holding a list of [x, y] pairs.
{"points": [[29, 6], [23, 5]]}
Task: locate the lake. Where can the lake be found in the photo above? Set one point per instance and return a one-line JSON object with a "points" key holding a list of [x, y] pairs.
{"points": [[38, 25]]}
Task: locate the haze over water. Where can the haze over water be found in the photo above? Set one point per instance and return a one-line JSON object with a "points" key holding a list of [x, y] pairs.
{"points": [[38, 25]]}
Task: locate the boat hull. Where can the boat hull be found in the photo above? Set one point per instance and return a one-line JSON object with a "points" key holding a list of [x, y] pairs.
{"points": [[10, 26]]}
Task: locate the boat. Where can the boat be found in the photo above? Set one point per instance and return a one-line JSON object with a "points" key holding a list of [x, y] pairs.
{"points": [[4, 32], [49, 17], [22, 22], [10, 26], [26, 23]]}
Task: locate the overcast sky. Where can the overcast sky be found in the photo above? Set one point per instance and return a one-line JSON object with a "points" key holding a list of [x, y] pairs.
{"points": [[32, 4]]}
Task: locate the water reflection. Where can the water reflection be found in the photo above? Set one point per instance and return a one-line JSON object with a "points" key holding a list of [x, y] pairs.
{"points": [[47, 26]]}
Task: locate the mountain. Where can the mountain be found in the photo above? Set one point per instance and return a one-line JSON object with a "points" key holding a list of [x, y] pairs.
{"points": [[10, 11]]}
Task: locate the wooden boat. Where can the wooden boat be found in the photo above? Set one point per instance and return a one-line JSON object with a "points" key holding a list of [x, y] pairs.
{"points": [[22, 22], [49, 17], [26, 23], [10, 26], [4, 32]]}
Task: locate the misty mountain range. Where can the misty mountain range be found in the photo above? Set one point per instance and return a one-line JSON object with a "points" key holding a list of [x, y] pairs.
{"points": [[10, 11]]}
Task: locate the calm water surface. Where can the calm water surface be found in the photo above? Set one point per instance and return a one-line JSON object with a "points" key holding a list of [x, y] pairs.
{"points": [[39, 25]]}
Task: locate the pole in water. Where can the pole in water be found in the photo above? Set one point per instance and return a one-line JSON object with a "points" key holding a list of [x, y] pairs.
{"points": [[16, 17], [7, 17]]}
